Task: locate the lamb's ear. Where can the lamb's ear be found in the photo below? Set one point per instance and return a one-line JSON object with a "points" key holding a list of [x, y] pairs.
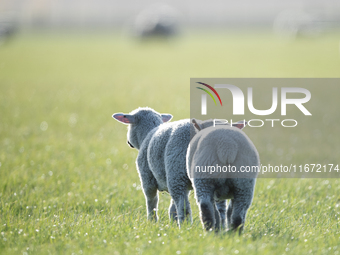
{"points": [[240, 124], [166, 117], [197, 127], [124, 118]]}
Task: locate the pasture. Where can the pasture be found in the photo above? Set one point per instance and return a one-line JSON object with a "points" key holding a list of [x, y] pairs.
{"points": [[68, 181]]}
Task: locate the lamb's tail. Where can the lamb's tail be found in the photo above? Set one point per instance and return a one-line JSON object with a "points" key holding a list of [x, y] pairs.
{"points": [[217, 149], [226, 150]]}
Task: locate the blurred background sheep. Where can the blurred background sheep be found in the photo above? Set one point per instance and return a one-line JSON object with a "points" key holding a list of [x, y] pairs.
{"points": [[158, 20], [151, 18]]}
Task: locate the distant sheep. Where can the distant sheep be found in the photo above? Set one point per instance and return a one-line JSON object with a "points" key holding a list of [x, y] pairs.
{"points": [[222, 146], [161, 161], [7, 30], [158, 20]]}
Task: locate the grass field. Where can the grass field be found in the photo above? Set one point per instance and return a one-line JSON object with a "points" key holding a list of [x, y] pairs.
{"points": [[68, 181]]}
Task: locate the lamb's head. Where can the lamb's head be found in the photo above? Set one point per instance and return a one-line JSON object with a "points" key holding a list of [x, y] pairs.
{"points": [[140, 122], [198, 125]]}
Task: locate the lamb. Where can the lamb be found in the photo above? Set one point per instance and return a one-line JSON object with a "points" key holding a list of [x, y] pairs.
{"points": [[229, 147], [161, 161]]}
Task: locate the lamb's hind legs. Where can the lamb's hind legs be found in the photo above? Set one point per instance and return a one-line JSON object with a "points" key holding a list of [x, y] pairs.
{"points": [[238, 207], [208, 213], [183, 208]]}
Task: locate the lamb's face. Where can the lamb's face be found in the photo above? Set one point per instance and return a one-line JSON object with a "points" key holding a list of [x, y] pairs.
{"points": [[140, 122]]}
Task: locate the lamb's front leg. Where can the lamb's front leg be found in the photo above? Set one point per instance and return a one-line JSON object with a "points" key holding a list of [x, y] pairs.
{"points": [[217, 218], [149, 185], [222, 209], [172, 211], [151, 197]]}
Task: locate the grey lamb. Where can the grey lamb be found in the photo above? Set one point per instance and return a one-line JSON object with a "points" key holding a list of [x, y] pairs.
{"points": [[161, 161], [222, 146]]}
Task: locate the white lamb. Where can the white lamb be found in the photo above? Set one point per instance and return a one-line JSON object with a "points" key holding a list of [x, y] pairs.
{"points": [[161, 161], [229, 147]]}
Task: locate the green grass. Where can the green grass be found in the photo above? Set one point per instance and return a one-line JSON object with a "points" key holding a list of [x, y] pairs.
{"points": [[71, 186]]}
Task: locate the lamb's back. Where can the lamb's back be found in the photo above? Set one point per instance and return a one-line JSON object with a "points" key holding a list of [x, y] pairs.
{"points": [[166, 136]]}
